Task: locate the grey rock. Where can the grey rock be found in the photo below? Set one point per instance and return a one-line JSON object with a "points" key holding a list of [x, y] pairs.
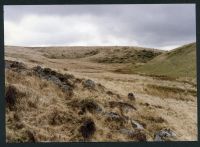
{"points": [[39, 70], [89, 84], [68, 90], [136, 125], [115, 117], [131, 96], [164, 135], [15, 66], [55, 80]]}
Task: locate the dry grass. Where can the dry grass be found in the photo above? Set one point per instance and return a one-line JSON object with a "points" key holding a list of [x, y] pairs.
{"points": [[43, 112], [171, 92]]}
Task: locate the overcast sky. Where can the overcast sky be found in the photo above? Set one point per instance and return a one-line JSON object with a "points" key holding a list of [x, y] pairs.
{"points": [[156, 26]]}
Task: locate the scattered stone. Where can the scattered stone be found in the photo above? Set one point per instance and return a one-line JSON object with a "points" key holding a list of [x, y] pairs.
{"points": [[18, 65], [87, 129], [38, 70], [164, 135], [112, 116], [61, 77], [67, 88], [69, 76], [131, 97], [57, 78], [136, 125], [70, 82], [15, 65], [47, 71], [89, 84]]}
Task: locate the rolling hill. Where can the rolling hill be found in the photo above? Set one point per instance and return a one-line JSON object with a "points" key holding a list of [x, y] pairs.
{"points": [[101, 54], [71, 94], [179, 62]]}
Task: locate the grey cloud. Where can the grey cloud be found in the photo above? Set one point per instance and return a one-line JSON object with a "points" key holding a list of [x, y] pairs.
{"points": [[148, 25]]}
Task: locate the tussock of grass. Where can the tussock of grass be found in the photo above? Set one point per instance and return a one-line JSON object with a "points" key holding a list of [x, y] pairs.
{"points": [[87, 129]]}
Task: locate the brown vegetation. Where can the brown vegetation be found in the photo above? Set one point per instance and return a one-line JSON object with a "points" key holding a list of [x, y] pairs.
{"points": [[88, 102]]}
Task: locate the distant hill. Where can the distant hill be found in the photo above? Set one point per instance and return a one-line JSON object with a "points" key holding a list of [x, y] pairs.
{"points": [[126, 55], [101, 54], [180, 62]]}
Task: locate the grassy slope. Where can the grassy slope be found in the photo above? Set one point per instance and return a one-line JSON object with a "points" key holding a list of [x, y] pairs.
{"points": [[41, 103], [180, 62]]}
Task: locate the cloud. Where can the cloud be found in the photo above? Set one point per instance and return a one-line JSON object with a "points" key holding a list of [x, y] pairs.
{"points": [[157, 26], [36, 30]]}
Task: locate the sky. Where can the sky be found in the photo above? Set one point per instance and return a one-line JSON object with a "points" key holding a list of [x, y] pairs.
{"points": [[162, 26]]}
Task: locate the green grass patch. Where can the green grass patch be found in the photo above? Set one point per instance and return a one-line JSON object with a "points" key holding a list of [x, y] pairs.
{"points": [[180, 62]]}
